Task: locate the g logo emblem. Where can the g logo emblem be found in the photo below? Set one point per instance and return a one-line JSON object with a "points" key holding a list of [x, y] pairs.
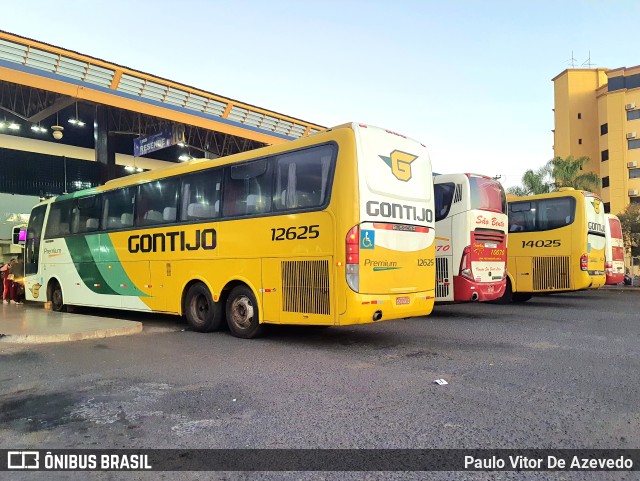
{"points": [[400, 163]]}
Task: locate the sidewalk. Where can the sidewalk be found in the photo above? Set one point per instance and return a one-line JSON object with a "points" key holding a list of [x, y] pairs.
{"points": [[32, 324]]}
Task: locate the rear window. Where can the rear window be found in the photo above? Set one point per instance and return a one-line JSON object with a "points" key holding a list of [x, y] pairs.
{"points": [[487, 194], [616, 230]]}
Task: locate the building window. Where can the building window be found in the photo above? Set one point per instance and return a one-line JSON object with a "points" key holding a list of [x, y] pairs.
{"points": [[580, 141], [634, 144], [604, 155], [607, 207], [635, 200], [633, 114], [604, 129], [634, 173], [605, 181], [579, 116]]}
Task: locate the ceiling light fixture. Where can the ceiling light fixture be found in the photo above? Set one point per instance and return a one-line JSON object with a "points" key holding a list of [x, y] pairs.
{"points": [[57, 129], [13, 126], [76, 121]]}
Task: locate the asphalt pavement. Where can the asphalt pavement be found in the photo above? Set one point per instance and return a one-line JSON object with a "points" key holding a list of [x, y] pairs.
{"points": [[558, 371]]}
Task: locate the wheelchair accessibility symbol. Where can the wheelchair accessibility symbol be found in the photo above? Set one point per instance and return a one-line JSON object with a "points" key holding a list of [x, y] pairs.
{"points": [[367, 239]]}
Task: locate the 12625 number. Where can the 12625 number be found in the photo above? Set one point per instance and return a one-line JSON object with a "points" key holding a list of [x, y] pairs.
{"points": [[293, 233]]}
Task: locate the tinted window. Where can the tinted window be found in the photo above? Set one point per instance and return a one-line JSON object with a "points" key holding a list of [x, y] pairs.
{"points": [[157, 202], [633, 114], [247, 189], [87, 214], [634, 173], [60, 220], [118, 208], [443, 196], [487, 194], [201, 195], [539, 215], [302, 178]]}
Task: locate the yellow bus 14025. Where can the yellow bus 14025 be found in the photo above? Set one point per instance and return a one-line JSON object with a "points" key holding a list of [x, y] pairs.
{"points": [[332, 229], [556, 243]]}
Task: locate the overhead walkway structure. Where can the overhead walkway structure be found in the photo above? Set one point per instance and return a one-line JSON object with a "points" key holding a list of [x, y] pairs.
{"points": [[45, 90], [77, 76]]}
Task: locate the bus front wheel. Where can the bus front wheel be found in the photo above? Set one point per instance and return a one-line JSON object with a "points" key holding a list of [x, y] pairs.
{"points": [[203, 315], [243, 317], [57, 301]]}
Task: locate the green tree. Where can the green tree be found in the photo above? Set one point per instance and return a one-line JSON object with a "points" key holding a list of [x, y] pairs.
{"points": [[568, 172], [630, 222], [534, 182]]}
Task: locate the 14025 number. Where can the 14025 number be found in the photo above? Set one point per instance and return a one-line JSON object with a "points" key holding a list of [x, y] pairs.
{"points": [[293, 233], [541, 243]]}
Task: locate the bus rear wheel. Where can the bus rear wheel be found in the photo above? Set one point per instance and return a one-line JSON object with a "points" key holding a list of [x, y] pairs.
{"points": [[57, 301], [243, 316], [507, 297], [520, 297], [203, 315]]}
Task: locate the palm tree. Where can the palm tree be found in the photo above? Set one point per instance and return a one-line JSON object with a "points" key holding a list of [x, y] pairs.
{"points": [[568, 173], [534, 182]]}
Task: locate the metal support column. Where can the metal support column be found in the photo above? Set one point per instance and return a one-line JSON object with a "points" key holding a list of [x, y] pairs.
{"points": [[105, 145]]}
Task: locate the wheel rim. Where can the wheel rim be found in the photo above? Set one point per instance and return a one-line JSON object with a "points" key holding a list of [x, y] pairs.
{"points": [[242, 312], [200, 308]]}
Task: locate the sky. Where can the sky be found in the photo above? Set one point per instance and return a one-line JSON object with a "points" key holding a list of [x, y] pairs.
{"points": [[469, 79]]}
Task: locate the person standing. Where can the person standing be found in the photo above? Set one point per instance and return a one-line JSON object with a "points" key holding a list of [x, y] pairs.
{"points": [[8, 292]]}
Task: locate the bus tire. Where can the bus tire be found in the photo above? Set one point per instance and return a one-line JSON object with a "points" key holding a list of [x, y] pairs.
{"points": [[57, 301], [243, 317], [202, 314], [520, 297], [507, 297]]}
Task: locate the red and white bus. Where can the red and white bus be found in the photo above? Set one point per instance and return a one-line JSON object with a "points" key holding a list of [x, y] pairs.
{"points": [[471, 238], [614, 250]]}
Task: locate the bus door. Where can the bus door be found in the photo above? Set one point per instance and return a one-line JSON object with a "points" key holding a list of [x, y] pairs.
{"points": [[445, 269], [32, 254]]}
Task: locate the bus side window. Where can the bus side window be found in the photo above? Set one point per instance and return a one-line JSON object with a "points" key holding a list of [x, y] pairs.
{"points": [[247, 188], [118, 208], [302, 178], [201, 195], [158, 202]]}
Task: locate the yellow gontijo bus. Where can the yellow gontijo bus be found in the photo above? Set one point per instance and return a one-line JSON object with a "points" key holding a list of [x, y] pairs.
{"points": [[556, 243], [332, 229]]}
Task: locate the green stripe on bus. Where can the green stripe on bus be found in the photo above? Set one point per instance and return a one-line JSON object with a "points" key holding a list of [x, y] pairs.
{"points": [[86, 265], [109, 265]]}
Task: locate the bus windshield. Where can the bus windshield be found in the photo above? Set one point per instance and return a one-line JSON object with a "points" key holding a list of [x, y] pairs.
{"points": [[487, 194], [542, 214]]}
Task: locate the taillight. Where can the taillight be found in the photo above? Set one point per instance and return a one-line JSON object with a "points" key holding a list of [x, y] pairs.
{"points": [[465, 263], [608, 266], [584, 262], [353, 258]]}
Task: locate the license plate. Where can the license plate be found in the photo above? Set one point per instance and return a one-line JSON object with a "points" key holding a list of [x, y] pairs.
{"points": [[401, 301], [490, 245]]}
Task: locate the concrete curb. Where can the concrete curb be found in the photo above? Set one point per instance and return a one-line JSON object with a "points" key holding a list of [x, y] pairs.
{"points": [[134, 328]]}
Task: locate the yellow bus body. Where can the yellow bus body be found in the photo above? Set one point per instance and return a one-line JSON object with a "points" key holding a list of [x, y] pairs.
{"points": [[294, 281], [549, 260]]}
